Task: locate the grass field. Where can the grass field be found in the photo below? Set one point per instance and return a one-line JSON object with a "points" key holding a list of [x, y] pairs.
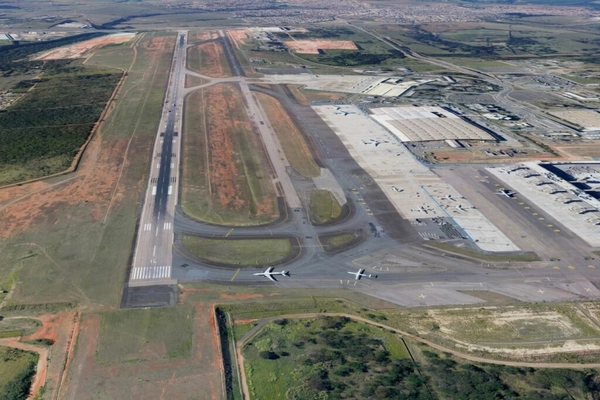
{"points": [[331, 243], [242, 252], [145, 334], [208, 59], [21, 326], [71, 242], [17, 368], [294, 146], [324, 208], [331, 354], [225, 175]]}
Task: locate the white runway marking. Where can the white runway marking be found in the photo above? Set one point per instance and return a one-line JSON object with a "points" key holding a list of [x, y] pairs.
{"points": [[154, 191], [147, 273], [147, 227], [170, 189], [167, 226]]}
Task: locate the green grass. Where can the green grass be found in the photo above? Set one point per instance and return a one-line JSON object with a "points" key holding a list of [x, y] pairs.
{"points": [[525, 257], [145, 334], [336, 241], [294, 146], [81, 257], [242, 252], [324, 208], [240, 330], [17, 369]]}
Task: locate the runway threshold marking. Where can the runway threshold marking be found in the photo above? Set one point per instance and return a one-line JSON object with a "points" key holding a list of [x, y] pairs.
{"points": [[236, 272], [229, 233]]}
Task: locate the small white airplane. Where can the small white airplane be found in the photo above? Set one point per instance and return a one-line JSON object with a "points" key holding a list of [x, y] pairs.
{"points": [[505, 193], [374, 142], [449, 197], [269, 273], [461, 208], [421, 210], [395, 189], [344, 113], [360, 273]]}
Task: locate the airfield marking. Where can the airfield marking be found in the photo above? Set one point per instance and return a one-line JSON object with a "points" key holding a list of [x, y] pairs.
{"points": [[556, 267], [591, 266], [571, 267], [228, 233], [236, 272]]}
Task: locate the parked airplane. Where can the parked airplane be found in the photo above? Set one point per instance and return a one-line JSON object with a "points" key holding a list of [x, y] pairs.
{"points": [[461, 208], [421, 210], [395, 189], [449, 197], [269, 273], [345, 113], [375, 142], [506, 193], [360, 274]]}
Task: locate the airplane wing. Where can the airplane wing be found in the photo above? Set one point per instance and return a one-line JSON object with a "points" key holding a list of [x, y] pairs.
{"points": [[271, 277]]}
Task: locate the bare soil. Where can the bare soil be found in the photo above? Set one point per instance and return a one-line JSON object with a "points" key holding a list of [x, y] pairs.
{"points": [[78, 50], [313, 46]]}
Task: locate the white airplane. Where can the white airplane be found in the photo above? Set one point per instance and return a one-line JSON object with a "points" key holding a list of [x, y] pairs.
{"points": [[344, 113], [461, 208], [395, 189], [449, 197], [421, 210], [269, 273], [374, 142], [506, 193], [359, 274]]}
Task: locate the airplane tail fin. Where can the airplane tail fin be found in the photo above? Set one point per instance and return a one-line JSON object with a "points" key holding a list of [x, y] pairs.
{"points": [[285, 273]]}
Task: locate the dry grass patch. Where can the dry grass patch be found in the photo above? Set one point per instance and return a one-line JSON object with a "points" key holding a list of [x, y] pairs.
{"points": [[226, 178], [294, 145]]}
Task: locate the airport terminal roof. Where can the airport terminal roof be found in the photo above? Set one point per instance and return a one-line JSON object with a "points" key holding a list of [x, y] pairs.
{"points": [[588, 119], [418, 124]]}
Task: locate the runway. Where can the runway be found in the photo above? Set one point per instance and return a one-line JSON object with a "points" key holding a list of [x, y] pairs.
{"points": [[153, 256]]}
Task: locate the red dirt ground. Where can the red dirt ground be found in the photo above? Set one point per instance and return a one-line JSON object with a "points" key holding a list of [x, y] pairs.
{"points": [[313, 46], [78, 50], [224, 174]]}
